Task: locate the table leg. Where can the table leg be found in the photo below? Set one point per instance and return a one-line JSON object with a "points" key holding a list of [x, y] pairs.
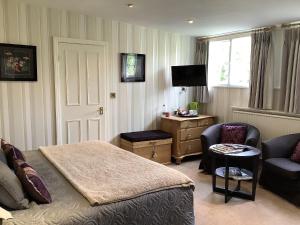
{"points": [[213, 170], [255, 176], [238, 188], [178, 161], [226, 179]]}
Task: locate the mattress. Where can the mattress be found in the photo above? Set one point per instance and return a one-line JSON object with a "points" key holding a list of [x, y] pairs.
{"points": [[167, 207]]}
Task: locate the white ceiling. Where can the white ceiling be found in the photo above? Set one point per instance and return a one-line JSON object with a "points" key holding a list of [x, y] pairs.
{"points": [[211, 16]]}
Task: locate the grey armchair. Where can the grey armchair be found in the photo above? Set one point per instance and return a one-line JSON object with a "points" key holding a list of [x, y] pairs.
{"points": [[279, 174], [212, 135]]}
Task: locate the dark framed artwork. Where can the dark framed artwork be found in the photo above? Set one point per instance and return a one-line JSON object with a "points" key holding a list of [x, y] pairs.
{"points": [[18, 63], [132, 67]]}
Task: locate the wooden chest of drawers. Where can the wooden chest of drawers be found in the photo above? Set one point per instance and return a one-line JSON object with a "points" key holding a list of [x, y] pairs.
{"points": [[155, 150], [186, 134]]}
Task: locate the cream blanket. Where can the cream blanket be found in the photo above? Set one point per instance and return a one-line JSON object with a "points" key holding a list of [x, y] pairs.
{"points": [[104, 173]]}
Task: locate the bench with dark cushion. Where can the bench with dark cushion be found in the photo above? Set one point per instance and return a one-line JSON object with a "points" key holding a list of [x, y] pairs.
{"points": [[279, 173], [153, 144], [145, 135]]}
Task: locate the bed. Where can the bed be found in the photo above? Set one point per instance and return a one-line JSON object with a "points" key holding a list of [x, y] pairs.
{"points": [[171, 206]]}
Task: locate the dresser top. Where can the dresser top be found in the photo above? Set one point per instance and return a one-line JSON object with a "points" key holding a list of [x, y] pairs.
{"points": [[178, 118]]}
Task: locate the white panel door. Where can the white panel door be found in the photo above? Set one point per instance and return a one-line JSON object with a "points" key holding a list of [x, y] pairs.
{"points": [[80, 80]]}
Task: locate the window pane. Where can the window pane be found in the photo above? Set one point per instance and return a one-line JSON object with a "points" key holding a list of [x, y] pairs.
{"points": [[218, 66], [240, 61]]}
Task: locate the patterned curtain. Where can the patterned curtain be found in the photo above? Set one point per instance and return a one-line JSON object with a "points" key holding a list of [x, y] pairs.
{"points": [[261, 72], [202, 48], [290, 74]]}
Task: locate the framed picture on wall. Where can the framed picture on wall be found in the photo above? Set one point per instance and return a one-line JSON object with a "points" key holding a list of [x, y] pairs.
{"points": [[18, 63], [132, 67]]}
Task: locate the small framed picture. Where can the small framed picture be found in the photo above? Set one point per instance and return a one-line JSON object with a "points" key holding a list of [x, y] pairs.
{"points": [[18, 62], [132, 67]]}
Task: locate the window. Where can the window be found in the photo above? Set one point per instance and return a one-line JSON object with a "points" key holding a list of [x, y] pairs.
{"points": [[229, 62]]}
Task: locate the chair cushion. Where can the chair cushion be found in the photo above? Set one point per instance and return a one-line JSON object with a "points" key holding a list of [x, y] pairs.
{"points": [[296, 154], [145, 135], [283, 167], [32, 183], [233, 134]]}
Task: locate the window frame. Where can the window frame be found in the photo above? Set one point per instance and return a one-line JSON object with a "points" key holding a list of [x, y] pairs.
{"points": [[230, 38]]}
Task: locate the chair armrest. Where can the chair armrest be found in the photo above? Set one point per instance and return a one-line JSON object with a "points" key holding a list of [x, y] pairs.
{"points": [[210, 136], [253, 136], [280, 147]]}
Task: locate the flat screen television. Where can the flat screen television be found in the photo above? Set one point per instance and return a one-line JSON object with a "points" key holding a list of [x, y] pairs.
{"points": [[188, 76]]}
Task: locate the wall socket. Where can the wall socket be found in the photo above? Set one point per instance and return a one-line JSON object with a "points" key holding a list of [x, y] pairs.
{"points": [[112, 95]]}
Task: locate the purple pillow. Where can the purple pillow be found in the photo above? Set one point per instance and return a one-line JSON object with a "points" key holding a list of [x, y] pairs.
{"points": [[296, 154], [12, 154], [3, 143], [32, 183], [20, 163], [233, 134]]}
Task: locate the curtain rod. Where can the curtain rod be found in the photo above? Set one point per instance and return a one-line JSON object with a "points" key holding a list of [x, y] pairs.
{"points": [[288, 25], [284, 25], [236, 33]]}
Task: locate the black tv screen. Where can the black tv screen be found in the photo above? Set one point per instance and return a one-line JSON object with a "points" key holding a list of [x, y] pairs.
{"points": [[188, 76]]}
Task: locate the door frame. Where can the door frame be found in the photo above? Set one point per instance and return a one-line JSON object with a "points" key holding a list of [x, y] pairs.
{"points": [[57, 80]]}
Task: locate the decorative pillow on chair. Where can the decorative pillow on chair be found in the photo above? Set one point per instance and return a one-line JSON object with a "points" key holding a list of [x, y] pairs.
{"points": [[296, 154], [32, 183], [233, 134]]}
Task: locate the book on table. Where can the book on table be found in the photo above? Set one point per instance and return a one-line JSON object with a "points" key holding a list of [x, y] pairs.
{"points": [[235, 173], [227, 148]]}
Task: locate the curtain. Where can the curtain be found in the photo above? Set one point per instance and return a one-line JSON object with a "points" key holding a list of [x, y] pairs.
{"points": [[290, 73], [261, 71], [202, 48]]}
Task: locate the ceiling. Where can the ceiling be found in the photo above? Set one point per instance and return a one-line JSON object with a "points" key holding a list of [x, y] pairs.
{"points": [[211, 17]]}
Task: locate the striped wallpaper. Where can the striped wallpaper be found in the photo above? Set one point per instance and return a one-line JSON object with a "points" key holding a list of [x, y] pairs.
{"points": [[27, 110]]}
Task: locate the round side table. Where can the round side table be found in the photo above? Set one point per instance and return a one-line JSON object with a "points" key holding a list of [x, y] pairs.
{"points": [[247, 153]]}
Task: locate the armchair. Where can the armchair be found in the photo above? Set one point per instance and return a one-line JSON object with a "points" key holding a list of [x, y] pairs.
{"points": [[212, 135], [280, 174]]}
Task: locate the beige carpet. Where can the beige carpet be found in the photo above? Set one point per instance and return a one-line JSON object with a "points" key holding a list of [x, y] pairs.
{"points": [[210, 209]]}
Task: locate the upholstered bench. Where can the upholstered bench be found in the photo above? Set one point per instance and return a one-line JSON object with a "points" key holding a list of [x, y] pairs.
{"points": [[154, 145]]}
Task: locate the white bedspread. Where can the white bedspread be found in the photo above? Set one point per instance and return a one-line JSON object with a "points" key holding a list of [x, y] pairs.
{"points": [[104, 173]]}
